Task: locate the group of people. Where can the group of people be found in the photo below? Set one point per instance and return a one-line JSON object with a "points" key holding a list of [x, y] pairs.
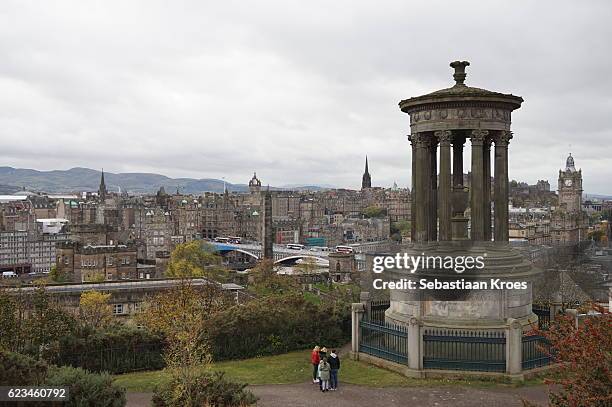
{"points": [[325, 368]]}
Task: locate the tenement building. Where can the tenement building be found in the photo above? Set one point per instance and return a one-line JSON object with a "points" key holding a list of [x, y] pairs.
{"points": [[82, 263]]}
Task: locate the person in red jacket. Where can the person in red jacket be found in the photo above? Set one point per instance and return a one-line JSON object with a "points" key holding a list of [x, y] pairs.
{"points": [[314, 360]]}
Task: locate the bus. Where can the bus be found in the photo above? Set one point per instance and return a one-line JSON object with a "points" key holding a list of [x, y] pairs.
{"points": [[222, 239], [295, 246], [344, 249], [235, 239]]}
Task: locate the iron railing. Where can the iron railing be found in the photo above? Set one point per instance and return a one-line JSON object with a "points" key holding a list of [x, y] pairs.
{"points": [[449, 349], [376, 311], [116, 360], [384, 340], [536, 352]]}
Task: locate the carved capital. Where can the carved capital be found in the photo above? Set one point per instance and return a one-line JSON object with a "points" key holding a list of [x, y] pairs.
{"points": [[444, 136], [503, 138], [479, 136], [418, 140]]}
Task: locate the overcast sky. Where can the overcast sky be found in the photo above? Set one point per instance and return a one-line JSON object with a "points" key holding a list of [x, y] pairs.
{"points": [[299, 91]]}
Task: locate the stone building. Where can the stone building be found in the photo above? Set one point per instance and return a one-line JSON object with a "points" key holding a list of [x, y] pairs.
{"points": [[96, 262], [342, 267], [155, 228], [569, 222]]}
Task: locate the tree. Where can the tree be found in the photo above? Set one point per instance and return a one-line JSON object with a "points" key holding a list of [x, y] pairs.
{"points": [[94, 309], [58, 276], [180, 314], [47, 321], [374, 212], [266, 281], [596, 235], [194, 259], [308, 265], [9, 321], [585, 356]]}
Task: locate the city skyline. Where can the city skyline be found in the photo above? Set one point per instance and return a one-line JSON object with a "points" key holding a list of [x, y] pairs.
{"points": [[287, 185], [298, 93]]}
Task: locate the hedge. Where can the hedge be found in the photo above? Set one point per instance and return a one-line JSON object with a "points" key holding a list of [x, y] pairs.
{"points": [[274, 325], [118, 350]]}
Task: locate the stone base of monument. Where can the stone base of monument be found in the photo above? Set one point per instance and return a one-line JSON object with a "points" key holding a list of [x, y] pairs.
{"points": [[454, 332], [468, 308]]}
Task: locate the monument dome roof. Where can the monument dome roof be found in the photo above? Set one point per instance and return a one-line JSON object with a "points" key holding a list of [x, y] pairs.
{"points": [[460, 92]]}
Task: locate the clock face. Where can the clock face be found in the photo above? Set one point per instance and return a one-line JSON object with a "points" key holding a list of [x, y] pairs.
{"points": [[568, 182]]}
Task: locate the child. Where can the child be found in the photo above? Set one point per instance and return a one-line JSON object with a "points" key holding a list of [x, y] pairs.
{"points": [[314, 360], [322, 354], [324, 370]]}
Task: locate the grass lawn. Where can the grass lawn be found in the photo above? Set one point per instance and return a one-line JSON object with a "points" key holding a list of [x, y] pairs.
{"points": [[294, 367]]}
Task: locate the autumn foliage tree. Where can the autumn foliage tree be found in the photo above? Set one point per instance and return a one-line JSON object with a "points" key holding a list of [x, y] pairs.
{"points": [[95, 310], [180, 314], [194, 259], [585, 356]]}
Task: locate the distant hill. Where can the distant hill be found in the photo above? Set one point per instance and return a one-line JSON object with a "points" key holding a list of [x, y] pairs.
{"points": [[86, 179], [598, 196], [8, 189]]}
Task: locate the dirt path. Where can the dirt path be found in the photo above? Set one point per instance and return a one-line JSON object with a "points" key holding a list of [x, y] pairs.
{"points": [[308, 395]]}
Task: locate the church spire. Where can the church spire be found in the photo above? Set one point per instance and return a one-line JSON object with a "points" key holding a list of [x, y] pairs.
{"points": [[102, 189], [366, 180]]}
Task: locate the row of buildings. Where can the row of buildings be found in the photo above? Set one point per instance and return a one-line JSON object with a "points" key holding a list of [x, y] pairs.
{"points": [[117, 236], [564, 223], [112, 236]]}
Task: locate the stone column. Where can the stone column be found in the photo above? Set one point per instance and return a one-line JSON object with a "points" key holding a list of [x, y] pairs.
{"points": [[444, 188], [458, 160], [477, 190], [433, 189], [486, 205], [412, 191], [501, 186], [421, 188], [357, 311]]}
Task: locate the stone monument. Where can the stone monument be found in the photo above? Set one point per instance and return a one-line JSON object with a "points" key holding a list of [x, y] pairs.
{"points": [[443, 121]]}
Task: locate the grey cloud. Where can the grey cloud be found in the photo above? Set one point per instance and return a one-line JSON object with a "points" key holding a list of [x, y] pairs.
{"points": [[299, 91]]}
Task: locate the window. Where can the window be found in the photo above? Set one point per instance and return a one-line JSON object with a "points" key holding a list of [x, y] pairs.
{"points": [[118, 309]]}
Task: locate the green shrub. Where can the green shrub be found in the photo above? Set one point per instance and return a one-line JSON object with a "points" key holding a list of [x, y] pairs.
{"points": [[115, 350], [277, 324], [86, 389], [203, 389], [20, 370]]}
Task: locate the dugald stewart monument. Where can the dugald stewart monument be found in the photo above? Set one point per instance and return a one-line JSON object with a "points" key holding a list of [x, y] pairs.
{"points": [[491, 303]]}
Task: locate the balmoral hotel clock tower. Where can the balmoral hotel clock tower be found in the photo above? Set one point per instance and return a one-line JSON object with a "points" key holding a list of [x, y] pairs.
{"points": [[570, 187], [569, 223]]}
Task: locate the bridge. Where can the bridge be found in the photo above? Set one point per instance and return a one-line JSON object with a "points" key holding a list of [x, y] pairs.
{"points": [[283, 255]]}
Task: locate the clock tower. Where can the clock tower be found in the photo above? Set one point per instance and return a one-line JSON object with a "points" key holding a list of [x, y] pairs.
{"points": [[570, 187]]}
